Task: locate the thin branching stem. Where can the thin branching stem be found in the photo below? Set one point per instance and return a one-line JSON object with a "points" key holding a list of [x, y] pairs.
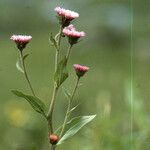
{"points": [[69, 51], [69, 107], [59, 35], [55, 89], [25, 73], [51, 109], [56, 59]]}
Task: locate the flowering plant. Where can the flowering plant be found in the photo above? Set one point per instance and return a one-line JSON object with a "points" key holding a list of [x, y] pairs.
{"points": [[70, 126]]}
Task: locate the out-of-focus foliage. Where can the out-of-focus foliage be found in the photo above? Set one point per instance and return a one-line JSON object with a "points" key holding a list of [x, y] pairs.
{"points": [[105, 90]]}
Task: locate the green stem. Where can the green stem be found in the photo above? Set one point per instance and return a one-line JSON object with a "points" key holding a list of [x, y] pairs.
{"points": [[53, 147], [56, 59], [69, 51], [25, 73], [55, 90], [51, 109], [58, 47], [69, 107], [60, 36]]}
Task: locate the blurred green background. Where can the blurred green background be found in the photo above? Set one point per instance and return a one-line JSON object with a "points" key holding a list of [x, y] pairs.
{"points": [[122, 106]]}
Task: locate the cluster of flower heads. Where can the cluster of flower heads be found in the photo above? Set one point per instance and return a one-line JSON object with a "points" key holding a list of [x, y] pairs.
{"points": [[69, 30], [65, 17]]}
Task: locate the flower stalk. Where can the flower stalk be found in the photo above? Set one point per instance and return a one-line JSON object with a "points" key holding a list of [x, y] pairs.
{"points": [[68, 51], [25, 73], [51, 109], [69, 107], [55, 89], [59, 36]]}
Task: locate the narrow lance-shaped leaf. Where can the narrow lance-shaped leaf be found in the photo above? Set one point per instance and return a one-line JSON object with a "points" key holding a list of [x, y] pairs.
{"points": [[53, 41], [67, 93], [19, 66], [19, 63], [61, 73], [78, 123], [35, 102], [25, 56], [72, 109], [71, 122]]}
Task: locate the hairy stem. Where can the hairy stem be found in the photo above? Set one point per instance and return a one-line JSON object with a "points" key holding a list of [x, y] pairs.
{"points": [[69, 107], [25, 73]]}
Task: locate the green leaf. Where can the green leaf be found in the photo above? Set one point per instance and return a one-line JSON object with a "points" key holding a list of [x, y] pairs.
{"points": [[53, 41], [78, 123], [19, 63], [61, 73], [19, 66], [73, 108], [25, 56], [71, 122], [35, 102], [67, 93]]}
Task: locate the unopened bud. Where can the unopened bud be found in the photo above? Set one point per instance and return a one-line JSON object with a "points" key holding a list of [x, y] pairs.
{"points": [[80, 70], [53, 139]]}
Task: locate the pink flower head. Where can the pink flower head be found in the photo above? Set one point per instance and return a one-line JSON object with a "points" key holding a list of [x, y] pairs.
{"points": [[70, 31], [65, 16], [68, 14], [80, 70], [72, 34], [21, 40]]}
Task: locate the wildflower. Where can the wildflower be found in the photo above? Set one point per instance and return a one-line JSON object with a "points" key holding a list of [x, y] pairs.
{"points": [[80, 70], [21, 40], [65, 16], [53, 139], [72, 34]]}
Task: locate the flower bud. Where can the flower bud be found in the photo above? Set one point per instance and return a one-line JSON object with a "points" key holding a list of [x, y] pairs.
{"points": [[80, 70], [53, 139], [72, 34], [21, 41], [65, 16]]}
